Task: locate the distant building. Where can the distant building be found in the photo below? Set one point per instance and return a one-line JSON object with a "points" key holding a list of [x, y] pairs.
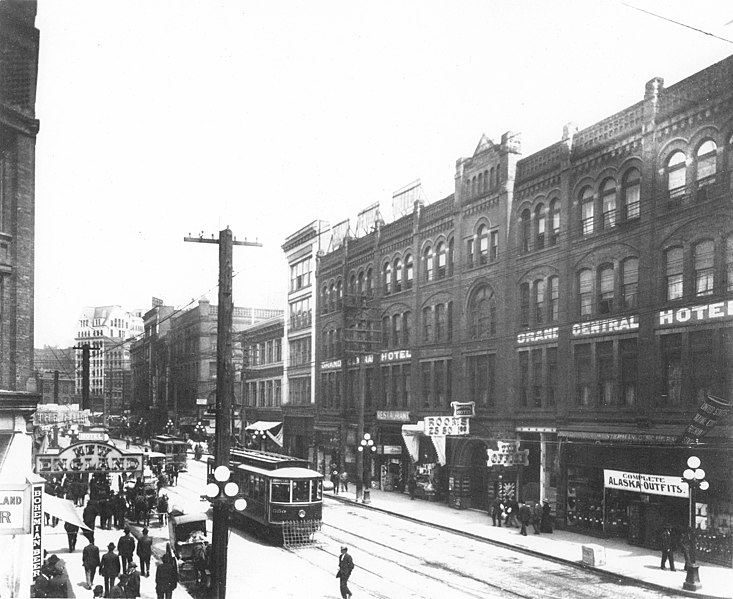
{"points": [[108, 330]]}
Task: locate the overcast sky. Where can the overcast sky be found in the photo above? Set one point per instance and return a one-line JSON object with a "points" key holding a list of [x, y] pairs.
{"points": [[164, 118]]}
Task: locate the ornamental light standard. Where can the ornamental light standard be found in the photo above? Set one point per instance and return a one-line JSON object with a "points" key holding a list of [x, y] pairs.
{"points": [[367, 448], [694, 476], [169, 426], [223, 496]]}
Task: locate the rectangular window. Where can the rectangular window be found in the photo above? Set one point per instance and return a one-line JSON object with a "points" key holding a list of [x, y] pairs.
{"points": [[406, 385], [386, 388], [439, 383], [406, 328], [604, 361], [481, 378], [587, 217], [553, 292], [494, 245], [551, 376], [523, 383], [704, 273], [427, 324], [630, 283], [537, 378], [469, 252], [426, 380], [671, 354], [524, 304], [629, 371], [703, 360], [385, 332], [440, 324], [605, 300], [278, 392], [674, 273], [397, 328], [583, 374]]}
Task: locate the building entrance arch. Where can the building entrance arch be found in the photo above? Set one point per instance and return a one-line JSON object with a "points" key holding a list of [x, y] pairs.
{"points": [[469, 463]]}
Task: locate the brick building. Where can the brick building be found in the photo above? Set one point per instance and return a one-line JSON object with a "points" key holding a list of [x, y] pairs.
{"points": [[581, 297]]}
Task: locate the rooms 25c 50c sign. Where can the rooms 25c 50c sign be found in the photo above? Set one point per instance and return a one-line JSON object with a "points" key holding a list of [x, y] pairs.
{"points": [[89, 457]]}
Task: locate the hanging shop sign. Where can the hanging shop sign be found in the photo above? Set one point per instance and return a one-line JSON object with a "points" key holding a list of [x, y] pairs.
{"points": [[466, 408], [508, 454], [89, 458], [550, 334], [60, 414], [15, 509], [394, 415], [699, 313], [442, 426], [608, 325], [703, 422], [637, 482]]}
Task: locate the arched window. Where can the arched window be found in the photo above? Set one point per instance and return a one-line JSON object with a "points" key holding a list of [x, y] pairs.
{"points": [[483, 244], [428, 263], [441, 259], [585, 292], [360, 283], [629, 282], [486, 180], [525, 222], [608, 203], [674, 273], [396, 329], [676, 174], [332, 297], [539, 227], [406, 328], [492, 180], [631, 193], [482, 313], [352, 285], [440, 323], [703, 255], [324, 299], [397, 275], [553, 296], [586, 210], [409, 271], [706, 162], [538, 300], [369, 283], [427, 324], [606, 289], [387, 278], [554, 222], [339, 295], [473, 187], [524, 304], [480, 182]]}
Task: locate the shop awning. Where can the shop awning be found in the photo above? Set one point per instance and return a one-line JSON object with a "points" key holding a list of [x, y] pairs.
{"points": [[269, 427], [411, 434], [63, 509]]}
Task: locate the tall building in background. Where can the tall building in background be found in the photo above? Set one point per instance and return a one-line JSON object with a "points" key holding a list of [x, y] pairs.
{"points": [[108, 330]]}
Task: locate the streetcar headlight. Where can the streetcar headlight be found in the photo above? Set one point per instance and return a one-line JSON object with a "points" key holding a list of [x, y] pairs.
{"points": [[301, 513]]}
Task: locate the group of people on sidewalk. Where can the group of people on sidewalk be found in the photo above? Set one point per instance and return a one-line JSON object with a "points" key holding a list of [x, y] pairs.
{"points": [[521, 515]]}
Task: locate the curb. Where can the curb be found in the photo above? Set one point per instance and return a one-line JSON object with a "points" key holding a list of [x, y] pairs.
{"points": [[560, 560]]}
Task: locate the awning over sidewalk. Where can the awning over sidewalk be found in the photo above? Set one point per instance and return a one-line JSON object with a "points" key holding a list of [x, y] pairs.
{"points": [[274, 430], [63, 509], [411, 435]]}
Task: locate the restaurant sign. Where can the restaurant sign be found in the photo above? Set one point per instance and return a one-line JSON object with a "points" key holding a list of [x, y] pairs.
{"points": [[442, 426], [637, 482], [89, 458], [394, 415]]}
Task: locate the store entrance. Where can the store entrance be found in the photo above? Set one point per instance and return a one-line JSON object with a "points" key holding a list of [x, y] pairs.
{"points": [[478, 475]]}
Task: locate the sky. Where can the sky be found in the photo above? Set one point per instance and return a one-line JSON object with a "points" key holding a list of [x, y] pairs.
{"points": [[175, 117]]}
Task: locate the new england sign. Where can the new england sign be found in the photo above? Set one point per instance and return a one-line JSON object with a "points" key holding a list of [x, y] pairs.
{"points": [[89, 457]]}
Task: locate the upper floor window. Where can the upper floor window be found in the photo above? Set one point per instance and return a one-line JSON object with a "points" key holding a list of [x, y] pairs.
{"points": [[492, 179], [406, 328], [441, 259], [398, 275], [470, 248], [538, 300], [729, 263], [300, 274], [703, 258], [676, 173], [553, 296], [396, 329], [706, 162], [629, 282], [494, 246], [409, 271], [352, 285], [554, 222], [605, 285], [428, 263], [539, 225], [427, 324], [586, 210], [585, 292], [369, 283], [360, 283], [482, 313], [450, 258], [673, 268], [525, 230], [483, 245], [440, 323], [387, 278], [524, 304], [608, 203], [631, 193]]}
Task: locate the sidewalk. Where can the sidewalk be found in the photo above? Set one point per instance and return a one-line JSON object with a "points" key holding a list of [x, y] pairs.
{"points": [[623, 560], [55, 542]]}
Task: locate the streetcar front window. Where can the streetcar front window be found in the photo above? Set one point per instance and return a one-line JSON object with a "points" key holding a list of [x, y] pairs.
{"points": [[316, 491], [301, 490], [280, 491]]}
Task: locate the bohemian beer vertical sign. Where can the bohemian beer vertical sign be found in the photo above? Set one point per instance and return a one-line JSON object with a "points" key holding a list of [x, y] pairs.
{"points": [[36, 528]]}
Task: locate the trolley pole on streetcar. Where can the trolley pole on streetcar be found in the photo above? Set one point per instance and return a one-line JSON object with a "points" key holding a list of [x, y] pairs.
{"points": [[224, 400]]}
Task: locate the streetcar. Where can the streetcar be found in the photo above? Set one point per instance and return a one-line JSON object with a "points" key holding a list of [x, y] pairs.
{"points": [[282, 492], [174, 448]]}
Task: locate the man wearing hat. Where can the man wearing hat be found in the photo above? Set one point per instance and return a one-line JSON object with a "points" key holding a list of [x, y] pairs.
{"points": [[90, 560], [346, 565], [144, 552], [110, 568], [126, 547], [546, 521], [132, 585], [667, 544]]}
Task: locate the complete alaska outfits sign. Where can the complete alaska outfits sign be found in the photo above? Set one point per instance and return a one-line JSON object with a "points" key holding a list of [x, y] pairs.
{"points": [[636, 482], [89, 457]]}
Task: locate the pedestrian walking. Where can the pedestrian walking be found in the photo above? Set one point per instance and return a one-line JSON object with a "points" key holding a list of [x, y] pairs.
{"points": [[110, 568], [335, 481], [411, 486], [346, 565], [162, 508], [667, 543], [166, 577], [144, 551], [536, 517], [126, 548], [119, 506], [89, 515], [512, 512], [525, 516], [132, 584], [72, 530], [57, 578], [497, 511], [105, 513], [546, 521], [90, 560]]}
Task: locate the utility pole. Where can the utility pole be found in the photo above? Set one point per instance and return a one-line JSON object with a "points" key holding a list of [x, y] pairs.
{"points": [[84, 347], [224, 395]]}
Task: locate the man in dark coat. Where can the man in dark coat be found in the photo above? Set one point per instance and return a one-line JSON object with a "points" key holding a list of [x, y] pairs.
{"points": [[119, 506], [536, 517], [346, 565], [166, 578], [546, 522], [525, 516], [126, 547], [667, 544], [110, 568], [144, 551], [497, 511], [89, 515], [132, 584], [411, 486], [90, 560], [72, 530], [105, 513]]}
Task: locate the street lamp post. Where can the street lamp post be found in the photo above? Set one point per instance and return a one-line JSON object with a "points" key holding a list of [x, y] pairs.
{"points": [[260, 439], [367, 448], [169, 426], [694, 476], [223, 495]]}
